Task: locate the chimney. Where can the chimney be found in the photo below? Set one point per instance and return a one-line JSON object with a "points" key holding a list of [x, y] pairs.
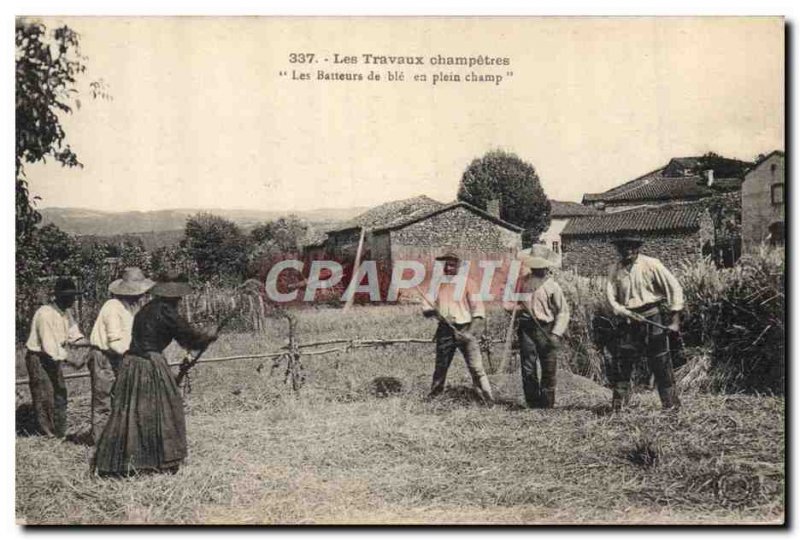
{"points": [[493, 207], [709, 177]]}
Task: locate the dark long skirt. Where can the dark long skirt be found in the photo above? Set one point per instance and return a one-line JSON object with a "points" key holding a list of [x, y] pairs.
{"points": [[146, 431]]}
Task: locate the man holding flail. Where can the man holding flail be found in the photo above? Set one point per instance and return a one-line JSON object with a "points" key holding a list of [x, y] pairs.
{"points": [[648, 299], [458, 309]]}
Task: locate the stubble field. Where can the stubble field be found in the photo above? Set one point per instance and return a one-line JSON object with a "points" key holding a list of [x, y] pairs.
{"points": [[337, 452]]}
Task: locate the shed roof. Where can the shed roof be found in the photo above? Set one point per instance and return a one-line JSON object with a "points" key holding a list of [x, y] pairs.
{"points": [[391, 213], [447, 208], [683, 217], [565, 209]]}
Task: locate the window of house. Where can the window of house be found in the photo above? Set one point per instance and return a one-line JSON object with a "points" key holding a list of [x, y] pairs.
{"points": [[555, 247], [777, 193]]}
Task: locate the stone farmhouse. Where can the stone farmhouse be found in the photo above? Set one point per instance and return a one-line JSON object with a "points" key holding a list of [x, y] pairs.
{"points": [[764, 204], [673, 233], [710, 183], [419, 229]]}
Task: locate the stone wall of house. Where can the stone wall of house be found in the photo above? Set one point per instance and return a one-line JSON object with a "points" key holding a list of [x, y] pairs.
{"points": [[592, 255], [758, 209]]}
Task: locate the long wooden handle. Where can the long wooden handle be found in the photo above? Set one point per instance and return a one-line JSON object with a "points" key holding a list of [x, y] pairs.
{"points": [[435, 310], [639, 318], [509, 337]]}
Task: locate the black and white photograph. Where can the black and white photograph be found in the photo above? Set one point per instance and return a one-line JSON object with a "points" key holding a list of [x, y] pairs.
{"points": [[417, 270]]}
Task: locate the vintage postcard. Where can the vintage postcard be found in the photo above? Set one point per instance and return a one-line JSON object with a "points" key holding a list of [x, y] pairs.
{"points": [[394, 271]]}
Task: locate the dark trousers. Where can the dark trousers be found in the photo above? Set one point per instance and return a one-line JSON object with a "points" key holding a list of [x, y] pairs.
{"points": [[103, 369], [536, 346], [446, 345], [48, 393], [637, 340]]}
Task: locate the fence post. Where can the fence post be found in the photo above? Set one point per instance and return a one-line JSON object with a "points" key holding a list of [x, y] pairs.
{"points": [[294, 368]]}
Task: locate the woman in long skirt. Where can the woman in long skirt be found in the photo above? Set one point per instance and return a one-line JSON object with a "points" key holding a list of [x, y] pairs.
{"points": [[146, 431]]}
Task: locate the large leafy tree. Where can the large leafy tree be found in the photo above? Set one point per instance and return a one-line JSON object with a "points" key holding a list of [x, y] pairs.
{"points": [[285, 234], [217, 246], [504, 177], [47, 64]]}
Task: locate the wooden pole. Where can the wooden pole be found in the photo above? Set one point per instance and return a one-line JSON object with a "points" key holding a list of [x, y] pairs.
{"points": [[509, 337], [354, 278]]}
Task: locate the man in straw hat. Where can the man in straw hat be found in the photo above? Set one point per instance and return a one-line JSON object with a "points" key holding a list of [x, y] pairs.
{"points": [[110, 340], [456, 316], [648, 299], [53, 329], [544, 316]]}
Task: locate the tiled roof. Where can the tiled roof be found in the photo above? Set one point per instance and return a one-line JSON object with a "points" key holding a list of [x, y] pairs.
{"points": [[564, 209], [665, 188], [623, 188], [670, 183], [399, 224], [685, 217], [392, 213]]}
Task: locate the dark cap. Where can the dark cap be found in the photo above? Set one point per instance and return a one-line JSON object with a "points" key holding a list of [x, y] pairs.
{"points": [[65, 287], [627, 241], [171, 286], [448, 256]]}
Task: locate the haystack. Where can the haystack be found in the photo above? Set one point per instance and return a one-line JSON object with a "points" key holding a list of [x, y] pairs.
{"points": [[569, 387]]}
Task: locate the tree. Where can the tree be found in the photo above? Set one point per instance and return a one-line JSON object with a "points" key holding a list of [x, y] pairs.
{"points": [[514, 184], [723, 167], [46, 71], [285, 234], [217, 247]]}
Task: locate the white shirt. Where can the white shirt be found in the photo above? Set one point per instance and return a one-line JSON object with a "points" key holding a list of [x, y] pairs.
{"points": [[547, 302], [51, 331], [647, 281], [113, 327], [459, 310]]}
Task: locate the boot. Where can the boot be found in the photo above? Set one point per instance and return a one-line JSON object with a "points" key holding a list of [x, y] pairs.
{"points": [[548, 398], [669, 398], [621, 396]]}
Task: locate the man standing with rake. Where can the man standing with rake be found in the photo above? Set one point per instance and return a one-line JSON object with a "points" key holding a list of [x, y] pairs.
{"points": [[648, 299]]}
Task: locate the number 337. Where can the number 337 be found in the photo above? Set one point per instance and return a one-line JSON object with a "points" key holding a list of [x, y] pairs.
{"points": [[301, 58]]}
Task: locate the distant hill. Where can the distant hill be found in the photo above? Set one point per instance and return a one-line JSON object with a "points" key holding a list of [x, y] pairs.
{"points": [[83, 222]]}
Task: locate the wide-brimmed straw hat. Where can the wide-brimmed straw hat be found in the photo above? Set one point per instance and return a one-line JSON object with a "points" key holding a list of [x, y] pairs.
{"points": [[171, 286], [532, 263], [65, 287], [133, 283], [628, 240], [448, 256]]}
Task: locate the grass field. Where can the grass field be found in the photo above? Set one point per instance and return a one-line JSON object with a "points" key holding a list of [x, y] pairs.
{"points": [[335, 453]]}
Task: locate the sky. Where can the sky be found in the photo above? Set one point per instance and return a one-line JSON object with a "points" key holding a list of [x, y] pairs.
{"points": [[201, 118]]}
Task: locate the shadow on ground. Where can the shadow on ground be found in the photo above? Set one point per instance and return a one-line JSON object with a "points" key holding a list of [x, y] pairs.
{"points": [[26, 424]]}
